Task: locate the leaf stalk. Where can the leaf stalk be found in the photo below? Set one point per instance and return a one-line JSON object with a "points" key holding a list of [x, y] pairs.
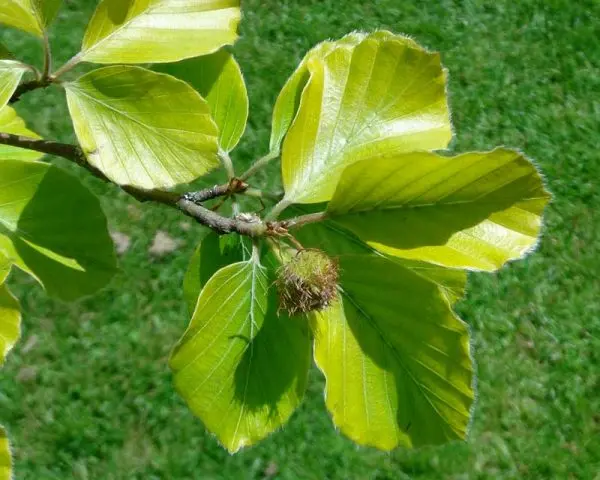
{"points": [[259, 164]]}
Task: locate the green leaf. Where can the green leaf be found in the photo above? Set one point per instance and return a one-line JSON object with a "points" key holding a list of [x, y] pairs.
{"points": [[146, 31], [370, 96], [213, 253], [21, 14], [11, 73], [218, 78], [395, 357], [47, 10], [10, 122], [240, 366], [53, 228], [5, 457], [143, 128], [10, 318], [474, 211]]}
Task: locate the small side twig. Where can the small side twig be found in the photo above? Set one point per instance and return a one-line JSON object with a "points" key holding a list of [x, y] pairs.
{"points": [[233, 187]]}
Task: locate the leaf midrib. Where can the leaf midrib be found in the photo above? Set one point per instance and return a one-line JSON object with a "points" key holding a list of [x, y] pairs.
{"points": [[430, 205]]}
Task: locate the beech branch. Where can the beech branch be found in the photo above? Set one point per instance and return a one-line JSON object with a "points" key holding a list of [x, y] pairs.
{"points": [[27, 87], [190, 203]]}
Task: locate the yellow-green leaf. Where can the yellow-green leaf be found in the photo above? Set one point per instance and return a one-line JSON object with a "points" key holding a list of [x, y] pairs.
{"points": [[11, 73], [10, 315], [395, 357], [5, 457], [475, 211], [288, 100], [10, 122], [143, 128], [146, 31], [4, 267], [21, 14], [370, 95], [31, 16], [240, 366], [218, 78], [53, 228], [10, 331]]}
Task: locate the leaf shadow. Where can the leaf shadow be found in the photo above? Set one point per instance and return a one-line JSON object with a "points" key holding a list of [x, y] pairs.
{"points": [[44, 241], [117, 10], [202, 73], [414, 410], [433, 225], [273, 361]]}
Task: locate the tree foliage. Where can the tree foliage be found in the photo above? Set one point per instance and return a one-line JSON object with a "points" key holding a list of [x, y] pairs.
{"points": [[356, 127]]}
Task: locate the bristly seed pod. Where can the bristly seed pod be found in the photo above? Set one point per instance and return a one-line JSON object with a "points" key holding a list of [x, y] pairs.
{"points": [[307, 283]]}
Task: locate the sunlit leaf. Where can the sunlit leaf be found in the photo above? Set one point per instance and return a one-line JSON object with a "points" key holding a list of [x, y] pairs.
{"points": [[219, 80], [371, 95], [11, 73], [31, 16], [10, 122], [288, 100], [21, 14], [146, 31], [10, 331], [143, 128], [5, 457], [52, 227], [240, 366], [475, 211], [395, 357], [10, 315], [213, 253]]}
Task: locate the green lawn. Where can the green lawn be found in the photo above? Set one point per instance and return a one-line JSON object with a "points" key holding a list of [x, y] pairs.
{"points": [[87, 393]]}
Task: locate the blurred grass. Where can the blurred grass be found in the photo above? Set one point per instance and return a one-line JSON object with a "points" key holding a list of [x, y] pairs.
{"points": [[87, 394]]}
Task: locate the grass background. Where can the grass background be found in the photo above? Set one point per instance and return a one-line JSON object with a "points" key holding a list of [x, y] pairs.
{"points": [[87, 393]]}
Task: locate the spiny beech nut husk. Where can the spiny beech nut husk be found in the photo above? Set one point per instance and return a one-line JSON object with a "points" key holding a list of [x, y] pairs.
{"points": [[307, 283]]}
